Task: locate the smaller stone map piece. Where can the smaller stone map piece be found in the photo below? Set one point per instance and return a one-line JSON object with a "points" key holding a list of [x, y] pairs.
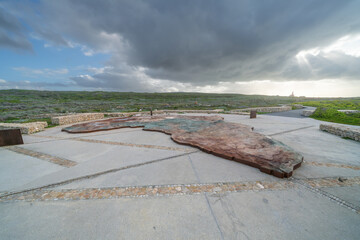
{"points": [[213, 135]]}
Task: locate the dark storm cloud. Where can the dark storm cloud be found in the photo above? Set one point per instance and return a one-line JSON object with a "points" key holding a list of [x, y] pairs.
{"points": [[205, 41], [12, 33]]}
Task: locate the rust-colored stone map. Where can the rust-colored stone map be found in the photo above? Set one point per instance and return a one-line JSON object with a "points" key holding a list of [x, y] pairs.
{"points": [[211, 134]]}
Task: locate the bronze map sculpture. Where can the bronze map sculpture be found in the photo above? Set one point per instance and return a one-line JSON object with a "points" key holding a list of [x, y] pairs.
{"points": [[213, 135]]}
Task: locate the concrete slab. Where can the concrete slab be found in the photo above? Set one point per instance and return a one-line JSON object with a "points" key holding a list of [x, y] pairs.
{"points": [[176, 217], [309, 171], [288, 210], [17, 169], [267, 124], [293, 113], [173, 171], [114, 158], [73, 150], [140, 136], [320, 146], [33, 139], [210, 169], [56, 132], [295, 213], [80, 151], [350, 194]]}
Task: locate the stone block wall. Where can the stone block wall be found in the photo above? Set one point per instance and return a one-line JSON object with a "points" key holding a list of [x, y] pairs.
{"points": [[238, 113], [342, 131], [62, 120], [128, 114], [193, 111], [307, 113], [349, 111], [298, 106], [265, 109], [25, 128]]}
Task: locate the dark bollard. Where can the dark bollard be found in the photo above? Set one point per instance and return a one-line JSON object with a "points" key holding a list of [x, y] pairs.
{"points": [[10, 137], [253, 114]]}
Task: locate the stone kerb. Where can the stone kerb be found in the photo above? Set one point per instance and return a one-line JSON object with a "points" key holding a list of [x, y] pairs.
{"points": [[342, 131], [62, 120], [25, 128]]}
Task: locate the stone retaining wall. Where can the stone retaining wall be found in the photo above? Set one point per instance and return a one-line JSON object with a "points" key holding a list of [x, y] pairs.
{"points": [[264, 109], [349, 111], [347, 132], [307, 113], [128, 114], [193, 111], [238, 113], [297, 106], [62, 120], [25, 128]]}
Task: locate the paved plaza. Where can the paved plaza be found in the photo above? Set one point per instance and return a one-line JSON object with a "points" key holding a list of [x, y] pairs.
{"points": [[133, 184]]}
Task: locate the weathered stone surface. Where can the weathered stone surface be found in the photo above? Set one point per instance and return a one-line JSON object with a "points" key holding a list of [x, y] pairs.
{"points": [[211, 134], [25, 128]]}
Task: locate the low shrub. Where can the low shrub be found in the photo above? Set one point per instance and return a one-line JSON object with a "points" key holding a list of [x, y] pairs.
{"points": [[333, 115]]}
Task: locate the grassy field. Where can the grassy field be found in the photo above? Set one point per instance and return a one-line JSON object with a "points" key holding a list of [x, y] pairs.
{"points": [[30, 105], [327, 110]]}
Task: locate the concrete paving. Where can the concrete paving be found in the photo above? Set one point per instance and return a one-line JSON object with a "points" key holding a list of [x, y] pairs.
{"points": [[293, 113], [17, 169], [133, 184]]}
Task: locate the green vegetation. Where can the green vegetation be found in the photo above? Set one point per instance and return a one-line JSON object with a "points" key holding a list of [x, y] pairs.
{"points": [[327, 110], [31, 105], [348, 104]]}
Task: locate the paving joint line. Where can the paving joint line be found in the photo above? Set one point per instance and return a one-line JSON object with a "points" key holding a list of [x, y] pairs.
{"points": [[81, 139], [133, 145], [146, 191], [293, 130], [69, 138], [329, 196], [337, 165], [214, 216], [42, 194], [89, 176], [206, 198], [42, 156]]}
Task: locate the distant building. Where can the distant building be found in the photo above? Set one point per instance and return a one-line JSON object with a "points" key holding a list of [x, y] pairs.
{"points": [[292, 94]]}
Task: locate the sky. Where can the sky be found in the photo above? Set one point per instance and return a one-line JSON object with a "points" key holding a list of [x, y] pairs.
{"points": [[271, 47]]}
